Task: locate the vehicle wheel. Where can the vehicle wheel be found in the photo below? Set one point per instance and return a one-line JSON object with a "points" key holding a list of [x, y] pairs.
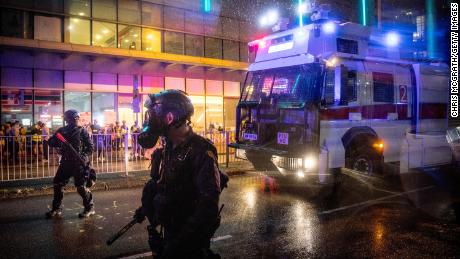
{"points": [[366, 161], [260, 161]]}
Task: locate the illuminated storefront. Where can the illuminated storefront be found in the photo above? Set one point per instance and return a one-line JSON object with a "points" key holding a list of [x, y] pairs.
{"points": [[84, 55]]}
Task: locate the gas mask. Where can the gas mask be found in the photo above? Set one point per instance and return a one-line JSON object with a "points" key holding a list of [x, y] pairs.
{"points": [[158, 105], [153, 126]]}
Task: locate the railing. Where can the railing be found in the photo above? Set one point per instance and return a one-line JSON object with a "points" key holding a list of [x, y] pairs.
{"points": [[30, 157]]}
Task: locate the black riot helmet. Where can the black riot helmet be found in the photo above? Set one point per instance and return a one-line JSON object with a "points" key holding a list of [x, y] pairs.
{"points": [[158, 105], [71, 116]]}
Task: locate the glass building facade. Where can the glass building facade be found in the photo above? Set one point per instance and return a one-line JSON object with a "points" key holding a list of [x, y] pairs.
{"points": [[96, 49]]}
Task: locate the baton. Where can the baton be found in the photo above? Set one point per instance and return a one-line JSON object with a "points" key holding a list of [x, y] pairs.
{"points": [[121, 232]]}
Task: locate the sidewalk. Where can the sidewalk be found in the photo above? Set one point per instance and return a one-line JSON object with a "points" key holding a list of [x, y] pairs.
{"points": [[106, 181]]}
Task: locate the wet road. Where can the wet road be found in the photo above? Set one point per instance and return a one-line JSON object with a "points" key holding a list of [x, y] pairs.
{"points": [[360, 216]]}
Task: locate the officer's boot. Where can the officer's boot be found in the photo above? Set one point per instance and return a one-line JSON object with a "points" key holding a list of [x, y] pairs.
{"points": [[54, 213], [86, 213]]}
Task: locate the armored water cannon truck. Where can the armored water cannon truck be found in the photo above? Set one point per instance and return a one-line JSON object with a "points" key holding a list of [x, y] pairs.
{"points": [[329, 95]]}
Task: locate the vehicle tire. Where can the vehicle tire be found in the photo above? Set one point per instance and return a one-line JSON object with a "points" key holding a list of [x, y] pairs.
{"points": [[365, 160], [260, 161]]}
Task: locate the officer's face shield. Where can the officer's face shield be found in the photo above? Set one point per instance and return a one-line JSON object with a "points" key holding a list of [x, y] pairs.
{"points": [[154, 125]]}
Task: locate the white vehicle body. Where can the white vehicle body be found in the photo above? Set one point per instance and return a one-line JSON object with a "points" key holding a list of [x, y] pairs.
{"points": [[367, 89]]}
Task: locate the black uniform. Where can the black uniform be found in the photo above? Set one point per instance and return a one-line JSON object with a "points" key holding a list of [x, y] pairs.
{"points": [[183, 196], [70, 166]]}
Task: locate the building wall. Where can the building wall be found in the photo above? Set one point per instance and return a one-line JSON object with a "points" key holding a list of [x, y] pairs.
{"points": [[179, 27], [37, 85], [43, 85]]}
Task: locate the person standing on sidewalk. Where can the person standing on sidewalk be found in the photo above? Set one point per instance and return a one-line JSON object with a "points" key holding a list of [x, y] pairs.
{"points": [[136, 148], [124, 132], [45, 135], [70, 166]]}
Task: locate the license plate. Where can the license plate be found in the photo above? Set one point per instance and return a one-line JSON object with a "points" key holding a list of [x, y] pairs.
{"points": [[250, 136], [283, 138]]}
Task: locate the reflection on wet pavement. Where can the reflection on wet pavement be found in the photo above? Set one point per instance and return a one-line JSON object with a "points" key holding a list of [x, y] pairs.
{"points": [[262, 218]]}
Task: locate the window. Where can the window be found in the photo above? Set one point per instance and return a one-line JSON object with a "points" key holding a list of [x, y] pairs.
{"points": [[17, 106], [329, 87], [231, 50], [194, 45], [194, 22], [129, 37], [198, 118], [174, 42], [230, 113], [230, 28], [129, 11], [212, 26], [80, 101], [47, 28], [214, 112], [104, 108], [78, 7], [49, 5], [104, 34], [16, 103], [351, 86], [125, 109], [347, 46], [12, 23], [383, 87], [77, 31], [152, 14], [213, 48], [105, 9], [151, 40], [173, 18], [48, 108]]}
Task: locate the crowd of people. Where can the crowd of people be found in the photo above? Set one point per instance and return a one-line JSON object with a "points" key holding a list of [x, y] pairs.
{"points": [[17, 140]]}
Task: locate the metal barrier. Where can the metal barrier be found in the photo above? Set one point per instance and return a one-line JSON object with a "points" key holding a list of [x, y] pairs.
{"points": [[29, 156]]}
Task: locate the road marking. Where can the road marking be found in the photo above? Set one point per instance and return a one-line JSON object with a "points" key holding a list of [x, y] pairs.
{"points": [[375, 200], [79, 205], [215, 239], [148, 254]]}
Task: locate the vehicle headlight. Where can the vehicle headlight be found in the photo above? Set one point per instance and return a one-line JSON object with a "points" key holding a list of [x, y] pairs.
{"points": [[309, 162]]}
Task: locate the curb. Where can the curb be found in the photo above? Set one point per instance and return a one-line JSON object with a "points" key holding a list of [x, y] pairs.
{"points": [[106, 182]]}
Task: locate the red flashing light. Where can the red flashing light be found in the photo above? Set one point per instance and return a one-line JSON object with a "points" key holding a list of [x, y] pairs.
{"points": [[262, 44]]}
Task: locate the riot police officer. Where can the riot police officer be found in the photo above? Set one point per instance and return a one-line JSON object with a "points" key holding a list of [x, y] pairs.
{"points": [[183, 194], [70, 165]]}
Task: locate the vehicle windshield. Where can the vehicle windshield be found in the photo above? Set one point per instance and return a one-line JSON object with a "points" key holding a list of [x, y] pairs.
{"points": [[296, 83]]}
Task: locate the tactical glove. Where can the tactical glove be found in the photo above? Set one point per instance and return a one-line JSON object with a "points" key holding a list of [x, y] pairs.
{"points": [[139, 215]]}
